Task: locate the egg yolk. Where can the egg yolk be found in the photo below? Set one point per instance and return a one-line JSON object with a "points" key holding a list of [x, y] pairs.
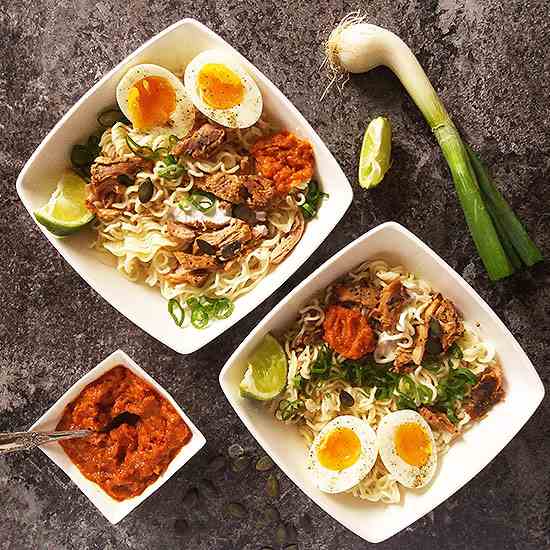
{"points": [[219, 86], [151, 102], [339, 449], [412, 444]]}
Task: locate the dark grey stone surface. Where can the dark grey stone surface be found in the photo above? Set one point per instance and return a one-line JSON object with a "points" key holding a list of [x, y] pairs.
{"points": [[490, 62]]}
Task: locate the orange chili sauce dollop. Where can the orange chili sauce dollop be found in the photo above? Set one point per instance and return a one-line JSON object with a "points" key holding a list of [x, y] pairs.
{"points": [[127, 459], [285, 159], [348, 332]]}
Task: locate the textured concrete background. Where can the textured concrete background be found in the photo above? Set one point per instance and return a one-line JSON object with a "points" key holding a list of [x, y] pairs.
{"points": [[491, 65]]}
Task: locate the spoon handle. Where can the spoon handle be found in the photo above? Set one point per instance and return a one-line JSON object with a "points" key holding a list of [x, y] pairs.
{"points": [[11, 442]]}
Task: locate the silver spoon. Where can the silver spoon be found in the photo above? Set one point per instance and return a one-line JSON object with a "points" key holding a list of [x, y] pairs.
{"points": [[11, 442]]}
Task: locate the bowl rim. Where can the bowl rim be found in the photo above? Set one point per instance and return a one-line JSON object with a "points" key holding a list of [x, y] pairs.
{"points": [[190, 345], [287, 302], [114, 511]]}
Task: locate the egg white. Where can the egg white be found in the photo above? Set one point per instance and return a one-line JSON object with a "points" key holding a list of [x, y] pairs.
{"points": [[408, 475], [242, 115], [331, 481], [183, 117]]}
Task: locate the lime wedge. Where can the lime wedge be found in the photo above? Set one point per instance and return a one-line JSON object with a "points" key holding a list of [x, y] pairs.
{"points": [[375, 157], [265, 377], [66, 211]]}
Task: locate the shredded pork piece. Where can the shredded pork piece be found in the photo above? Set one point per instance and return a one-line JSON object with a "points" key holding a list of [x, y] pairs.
{"points": [[487, 392], [192, 262], [105, 188], [358, 293], [449, 322], [392, 299], [182, 234], [202, 143], [181, 275], [290, 240], [438, 420], [236, 234]]}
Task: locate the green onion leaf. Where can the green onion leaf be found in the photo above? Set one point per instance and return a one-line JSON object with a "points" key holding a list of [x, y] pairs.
{"points": [[510, 223], [176, 311], [141, 151], [172, 140]]}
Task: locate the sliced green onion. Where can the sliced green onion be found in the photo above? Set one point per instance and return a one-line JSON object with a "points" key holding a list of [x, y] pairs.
{"points": [[169, 159], [308, 210], [139, 150], [202, 201], [171, 172], [176, 311], [424, 394], [109, 117], [161, 152], [199, 317], [192, 302], [172, 140], [223, 308], [513, 228]]}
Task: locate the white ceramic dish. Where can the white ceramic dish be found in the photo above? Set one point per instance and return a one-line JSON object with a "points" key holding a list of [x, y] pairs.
{"points": [[377, 522], [113, 510], [173, 48]]}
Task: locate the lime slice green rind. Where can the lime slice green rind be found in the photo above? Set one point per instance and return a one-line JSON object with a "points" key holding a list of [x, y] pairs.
{"points": [[375, 159], [66, 213], [266, 374]]}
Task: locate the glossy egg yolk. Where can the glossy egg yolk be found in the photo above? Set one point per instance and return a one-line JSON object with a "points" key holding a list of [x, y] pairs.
{"points": [[339, 449], [219, 86], [412, 444], [151, 102]]}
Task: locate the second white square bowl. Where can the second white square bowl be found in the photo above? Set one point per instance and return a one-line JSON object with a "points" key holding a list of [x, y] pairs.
{"points": [[467, 456]]}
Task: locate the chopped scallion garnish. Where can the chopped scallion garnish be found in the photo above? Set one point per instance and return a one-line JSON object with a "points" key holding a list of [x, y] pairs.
{"points": [[176, 311]]}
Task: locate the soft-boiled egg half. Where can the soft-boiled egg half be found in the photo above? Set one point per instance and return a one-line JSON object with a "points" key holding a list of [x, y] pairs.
{"points": [[342, 454], [222, 90], [407, 448], [155, 102]]}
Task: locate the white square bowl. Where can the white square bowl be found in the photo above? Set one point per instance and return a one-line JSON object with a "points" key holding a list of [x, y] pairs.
{"points": [[144, 306], [112, 509], [524, 389]]}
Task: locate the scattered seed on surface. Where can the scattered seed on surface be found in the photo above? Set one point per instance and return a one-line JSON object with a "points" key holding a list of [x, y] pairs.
{"points": [[272, 486], [271, 515], [181, 526], [217, 463], [240, 464], [191, 497], [235, 451], [291, 533], [280, 534], [264, 464], [236, 510], [209, 487], [306, 523]]}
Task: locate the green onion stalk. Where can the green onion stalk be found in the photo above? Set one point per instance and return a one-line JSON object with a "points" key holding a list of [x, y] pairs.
{"points": [[357, 47]]}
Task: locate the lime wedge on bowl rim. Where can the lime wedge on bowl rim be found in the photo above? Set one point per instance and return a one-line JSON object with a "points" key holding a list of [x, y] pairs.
{"points": [[375, 157], [66, 212], [265, 377]]}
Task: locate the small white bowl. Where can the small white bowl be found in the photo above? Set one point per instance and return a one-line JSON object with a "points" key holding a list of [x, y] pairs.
{"points": [[112, 509], [466, 457], [173, 48]]}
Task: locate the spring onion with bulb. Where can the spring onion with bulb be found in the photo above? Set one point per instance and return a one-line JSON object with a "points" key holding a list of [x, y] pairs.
{"points": [[356, 47]]}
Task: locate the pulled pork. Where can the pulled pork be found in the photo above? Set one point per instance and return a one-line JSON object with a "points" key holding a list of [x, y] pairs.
{"points": [[392, 299], [202, 143], [106, 187], [438, 420], [487, 392]]}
